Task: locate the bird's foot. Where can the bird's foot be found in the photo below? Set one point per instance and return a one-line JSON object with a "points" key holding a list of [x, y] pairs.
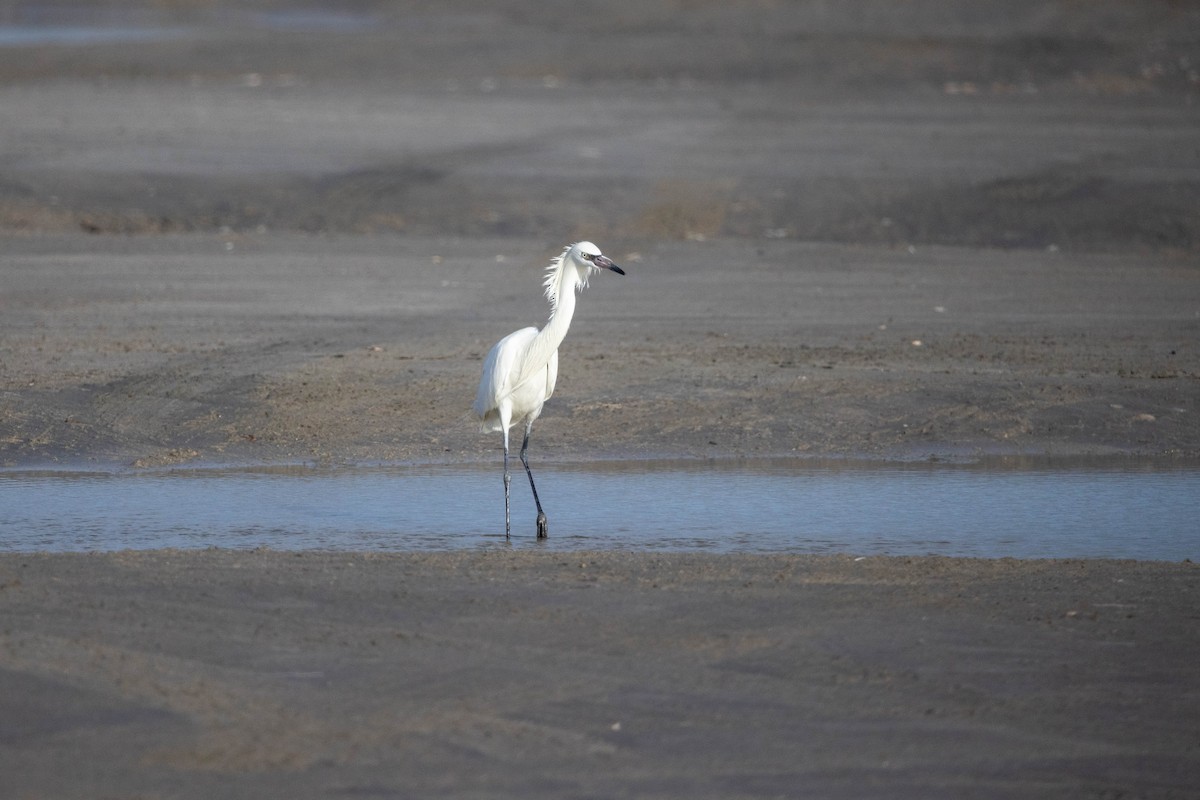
{"points": [[541, 526]]}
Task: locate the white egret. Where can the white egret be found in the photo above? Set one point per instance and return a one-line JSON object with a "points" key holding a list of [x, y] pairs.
{"points": [[520, 371]]}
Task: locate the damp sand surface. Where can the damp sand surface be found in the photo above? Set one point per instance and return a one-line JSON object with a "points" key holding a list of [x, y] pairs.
{"points": [[532, 673]]}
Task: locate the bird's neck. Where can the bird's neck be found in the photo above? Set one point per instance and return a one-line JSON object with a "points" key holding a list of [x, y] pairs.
{"points": [[555, 329]]}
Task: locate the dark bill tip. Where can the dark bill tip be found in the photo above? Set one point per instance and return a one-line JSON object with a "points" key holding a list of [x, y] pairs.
{"points": [[606, 262]]}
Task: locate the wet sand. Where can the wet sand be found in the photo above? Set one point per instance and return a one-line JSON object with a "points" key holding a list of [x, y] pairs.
{"points": [[934, 232], [173, 350], [217, 673]]}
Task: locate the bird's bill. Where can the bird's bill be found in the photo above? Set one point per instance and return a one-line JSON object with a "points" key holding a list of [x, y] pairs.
{"points": [[606, 262]]}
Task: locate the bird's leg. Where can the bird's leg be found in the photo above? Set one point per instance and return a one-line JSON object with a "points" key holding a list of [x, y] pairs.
{"points": [[541, 517], [507, 481]]}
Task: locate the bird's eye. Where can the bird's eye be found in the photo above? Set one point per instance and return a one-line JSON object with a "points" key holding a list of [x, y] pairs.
{"points": [[588, 256]]}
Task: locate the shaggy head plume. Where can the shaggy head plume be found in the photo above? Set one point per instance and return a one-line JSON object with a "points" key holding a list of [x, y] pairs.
{"points": [[555, 270]]}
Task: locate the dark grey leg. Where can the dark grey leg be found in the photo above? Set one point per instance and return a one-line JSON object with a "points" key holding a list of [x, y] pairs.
{"points": [[507, 481], [541, 517]]}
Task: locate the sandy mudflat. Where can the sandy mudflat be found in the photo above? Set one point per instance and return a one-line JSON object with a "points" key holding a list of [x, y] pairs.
{"points": [[285, 236], [221, 674], [255, 234], [174, 350]]}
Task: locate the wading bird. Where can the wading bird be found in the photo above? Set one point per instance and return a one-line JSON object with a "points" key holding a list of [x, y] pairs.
{"points": [[520, 370]]}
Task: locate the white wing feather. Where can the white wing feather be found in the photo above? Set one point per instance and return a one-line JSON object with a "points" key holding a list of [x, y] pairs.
{"points": [[498, 379]]}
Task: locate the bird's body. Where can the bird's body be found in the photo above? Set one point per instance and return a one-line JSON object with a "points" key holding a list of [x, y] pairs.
{"points": [[517, 380], [521, 369]]}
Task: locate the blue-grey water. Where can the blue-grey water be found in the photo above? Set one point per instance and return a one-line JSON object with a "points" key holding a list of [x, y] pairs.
{"points": [[61, 25], [1130, 509]]}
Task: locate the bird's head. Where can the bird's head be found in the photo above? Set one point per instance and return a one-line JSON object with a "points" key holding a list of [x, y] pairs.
{"points": [[572, 268], [587, 257]]}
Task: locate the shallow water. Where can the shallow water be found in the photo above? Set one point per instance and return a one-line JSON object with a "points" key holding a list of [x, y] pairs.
{"points": [[1130, 509], [82, 35], [51, 24]]}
